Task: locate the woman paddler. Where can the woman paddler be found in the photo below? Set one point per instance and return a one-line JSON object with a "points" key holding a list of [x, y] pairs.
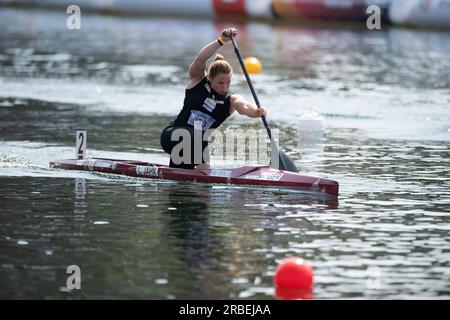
{"points": [[207, 104]]}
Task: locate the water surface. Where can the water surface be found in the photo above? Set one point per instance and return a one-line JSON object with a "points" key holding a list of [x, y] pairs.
{"points": [[385, 102]]}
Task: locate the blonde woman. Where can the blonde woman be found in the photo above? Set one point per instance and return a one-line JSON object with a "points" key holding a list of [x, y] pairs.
{"points": [[208, 102]]}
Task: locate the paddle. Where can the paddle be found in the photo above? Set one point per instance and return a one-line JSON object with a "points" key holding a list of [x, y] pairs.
{"points": [[284, 163]]}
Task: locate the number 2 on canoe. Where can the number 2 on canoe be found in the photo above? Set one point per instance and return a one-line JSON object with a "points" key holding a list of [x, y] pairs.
{"points": [[81, 144]]}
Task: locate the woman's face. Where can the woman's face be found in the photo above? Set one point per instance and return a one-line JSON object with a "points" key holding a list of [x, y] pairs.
{"points": [[221, 82]]}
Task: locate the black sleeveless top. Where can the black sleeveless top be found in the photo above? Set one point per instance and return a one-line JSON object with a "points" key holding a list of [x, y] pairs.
{"points": [[203, 108]]}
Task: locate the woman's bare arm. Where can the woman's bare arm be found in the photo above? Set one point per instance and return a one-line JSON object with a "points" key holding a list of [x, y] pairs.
{"points": [[244, 107], [197, 69]]}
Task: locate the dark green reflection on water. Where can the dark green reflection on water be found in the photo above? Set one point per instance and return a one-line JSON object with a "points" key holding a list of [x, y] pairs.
{"points": [[136, 240], [54, 122]]}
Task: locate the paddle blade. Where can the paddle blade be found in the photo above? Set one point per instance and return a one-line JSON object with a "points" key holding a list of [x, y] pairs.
{"points": [[282, 161], [286, 163]]}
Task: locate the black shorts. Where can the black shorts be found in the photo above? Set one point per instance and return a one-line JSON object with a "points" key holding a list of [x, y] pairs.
{"points": [[177, 159]]}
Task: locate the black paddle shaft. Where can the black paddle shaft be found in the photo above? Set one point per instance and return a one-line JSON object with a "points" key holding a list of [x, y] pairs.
{"points": [[284, 162], [252, 89]]}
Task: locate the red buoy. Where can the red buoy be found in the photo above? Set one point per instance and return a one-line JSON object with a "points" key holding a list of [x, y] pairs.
{"points": [[294, 273]]}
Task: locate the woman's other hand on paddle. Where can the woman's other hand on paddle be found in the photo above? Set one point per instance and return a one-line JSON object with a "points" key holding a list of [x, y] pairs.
{"points": [[261, 112]]}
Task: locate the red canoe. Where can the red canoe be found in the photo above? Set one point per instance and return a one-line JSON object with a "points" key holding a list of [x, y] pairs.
{"points": [[248, 175]]}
